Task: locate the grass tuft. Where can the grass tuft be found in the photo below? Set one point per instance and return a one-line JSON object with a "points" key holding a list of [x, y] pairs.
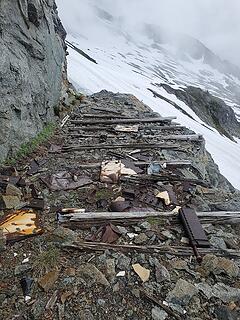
{"points": [[27, 148], [47, 260]]}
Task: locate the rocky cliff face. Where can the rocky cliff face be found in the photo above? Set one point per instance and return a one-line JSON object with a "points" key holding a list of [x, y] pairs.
{"points": [[212, 110], [32, 62]]}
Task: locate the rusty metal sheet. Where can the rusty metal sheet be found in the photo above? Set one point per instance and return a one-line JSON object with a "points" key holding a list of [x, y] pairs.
{"points": [[20, 224], [193, 227]]}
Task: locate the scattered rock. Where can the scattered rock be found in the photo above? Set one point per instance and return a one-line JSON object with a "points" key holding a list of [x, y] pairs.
{"points": [[162, 274], [85, 315], [179, 264], [122, 230], [110, 269], [205, 289], [226, 293], [11, 190], [218, 242], [65, 295], [168, 234], [47, 281], [3, 241], [219, 265], [221, 291], [71, 272], [61, 235], [22, 268], [142, 272], [158, 314], [101, 302], [9, 202], [223, 313], [141, 239], [89, 270], [146, 225], [182, 293], [123, 262]]}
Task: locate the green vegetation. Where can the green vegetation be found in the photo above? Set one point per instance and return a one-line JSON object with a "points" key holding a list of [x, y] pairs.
{"points": [[103, 194], [47, 260], [27, 148]]}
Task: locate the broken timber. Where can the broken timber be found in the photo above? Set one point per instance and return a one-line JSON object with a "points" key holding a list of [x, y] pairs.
{"points": [[193, 137], [83, 220], [154, 299], [156, 177], [102, 116], [117, 121], [120, 146], [173, 250], [108, 127]]}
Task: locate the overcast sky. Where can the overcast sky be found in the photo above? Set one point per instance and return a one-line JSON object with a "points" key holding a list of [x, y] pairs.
{"points": [[215, 22]]}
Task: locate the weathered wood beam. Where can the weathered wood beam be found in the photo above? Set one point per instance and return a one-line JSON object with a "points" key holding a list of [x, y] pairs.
{"points": [[173, 250], [156, 177], [100, 116], [79, 220], [107, 127], [117, 121], [120, 146]]}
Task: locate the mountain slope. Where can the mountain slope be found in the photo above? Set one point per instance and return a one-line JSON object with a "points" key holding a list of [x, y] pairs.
{"points": [[135, 60]]}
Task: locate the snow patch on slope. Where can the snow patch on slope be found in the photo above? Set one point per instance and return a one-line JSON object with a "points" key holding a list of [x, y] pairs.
{"points": [[133, 63]]}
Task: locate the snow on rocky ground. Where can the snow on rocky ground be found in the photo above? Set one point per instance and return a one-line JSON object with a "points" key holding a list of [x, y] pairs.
{"points": [[132, 64]]}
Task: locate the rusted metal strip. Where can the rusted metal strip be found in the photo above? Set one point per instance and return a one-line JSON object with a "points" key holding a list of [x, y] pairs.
{"points": [[194, 230]]}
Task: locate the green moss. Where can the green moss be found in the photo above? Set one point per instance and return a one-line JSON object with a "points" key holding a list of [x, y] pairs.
{"points": [[27, 148]]}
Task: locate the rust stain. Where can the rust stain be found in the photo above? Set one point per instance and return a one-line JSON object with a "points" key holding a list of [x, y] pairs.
{"points": [[20, 223]]}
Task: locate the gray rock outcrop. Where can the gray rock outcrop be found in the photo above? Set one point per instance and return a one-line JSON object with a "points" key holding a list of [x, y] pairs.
{"points": [[32, 61]]}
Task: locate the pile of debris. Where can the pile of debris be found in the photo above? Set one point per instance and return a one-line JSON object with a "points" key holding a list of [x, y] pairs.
{"points": [[138, 222]]}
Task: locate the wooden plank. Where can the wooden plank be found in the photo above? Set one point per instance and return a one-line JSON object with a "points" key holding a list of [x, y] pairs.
{"points": [[142, 128], [117, 121], [111, 215], [102, 116], [144, 178], [88, 219], [181, 137], [120, 146], [164, 249], [106, 110]]}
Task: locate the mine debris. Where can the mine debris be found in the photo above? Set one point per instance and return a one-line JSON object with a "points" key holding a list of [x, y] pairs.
{"points": [[26, 285], [122, 128], [120, 205], [106, 234], [142, 272], [160, 249], [33, 168], [111, 171], [20, 224], [142, 146], [9, 202], [162, 305], [125, 121], [194, 230], [47, 281], [37, 203], [66, 181]]}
